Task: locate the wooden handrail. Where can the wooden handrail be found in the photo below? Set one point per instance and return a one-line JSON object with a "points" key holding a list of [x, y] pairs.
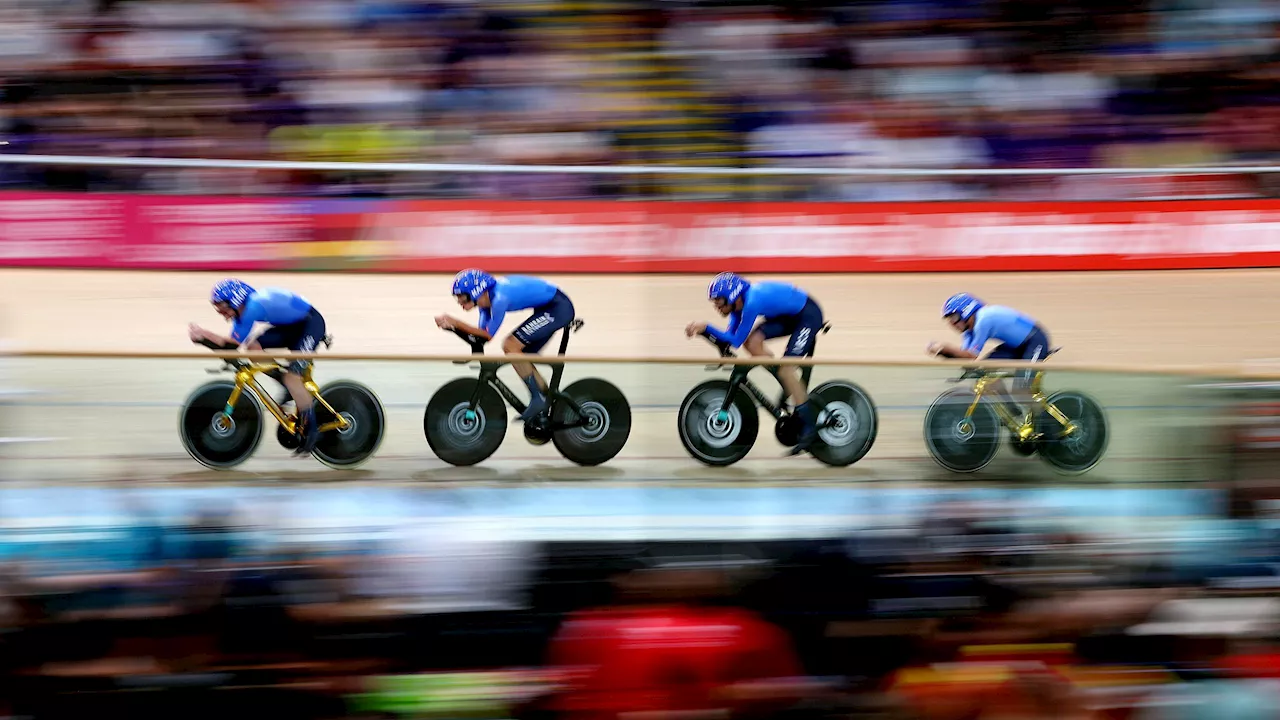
{"points": [[1200, 371]]}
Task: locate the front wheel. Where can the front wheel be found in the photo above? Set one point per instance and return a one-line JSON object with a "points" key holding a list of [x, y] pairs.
{"points": [[959, 443], [602, 427], [209, 436], [458, 434], [847, 423], [366, 423], [1078, 451], [710, 437]]}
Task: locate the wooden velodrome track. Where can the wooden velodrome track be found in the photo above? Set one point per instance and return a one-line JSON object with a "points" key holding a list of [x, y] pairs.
{"points": [[101, 419]]}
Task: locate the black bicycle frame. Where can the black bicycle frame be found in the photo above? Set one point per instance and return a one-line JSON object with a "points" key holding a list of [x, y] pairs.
{"points": [[489, 376], [738, 378]]}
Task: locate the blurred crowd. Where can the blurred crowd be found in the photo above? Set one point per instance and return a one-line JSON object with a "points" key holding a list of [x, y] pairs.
{"points": [[912, 84], [974, 611]]}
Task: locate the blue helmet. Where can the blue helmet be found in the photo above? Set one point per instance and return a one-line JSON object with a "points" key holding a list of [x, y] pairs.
{"points": [[728, 286], [232, 292], [473, 283], [962, 304]]}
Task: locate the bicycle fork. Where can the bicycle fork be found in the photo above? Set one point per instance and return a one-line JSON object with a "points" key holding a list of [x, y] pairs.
{"points": [[738, 381]]}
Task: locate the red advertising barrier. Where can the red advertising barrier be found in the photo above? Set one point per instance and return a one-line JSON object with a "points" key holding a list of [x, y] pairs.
{"points": [[118, 231], [148, 232]]}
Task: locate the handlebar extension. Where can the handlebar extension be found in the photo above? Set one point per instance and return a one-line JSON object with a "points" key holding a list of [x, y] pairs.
{"points": [[476, 343], [725, 350]]}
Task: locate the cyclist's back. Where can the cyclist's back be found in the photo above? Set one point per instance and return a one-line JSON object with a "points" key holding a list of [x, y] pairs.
{"points": [[522, 292], [515, 292], [773, 299], [273, 306], [997, 322]]}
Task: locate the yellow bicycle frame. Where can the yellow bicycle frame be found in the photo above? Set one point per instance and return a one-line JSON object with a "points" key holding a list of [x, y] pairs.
{"points": [[246, 379], [1024, 428]]}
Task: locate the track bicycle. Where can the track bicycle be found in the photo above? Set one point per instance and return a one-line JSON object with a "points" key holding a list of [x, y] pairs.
{"points": [[221, 422], [963, 427], [466, 420], [719, 420]]}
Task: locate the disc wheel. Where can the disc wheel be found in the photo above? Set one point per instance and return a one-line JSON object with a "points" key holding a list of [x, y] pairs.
{"points": [[209, 436], [847, 423], [458, 434], [1080, 450], [713, 439], [606, 415], [957, 443], [366, 424]]}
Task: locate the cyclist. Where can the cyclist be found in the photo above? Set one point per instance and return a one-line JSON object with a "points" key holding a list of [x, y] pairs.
{"points": [[495, 297], [295, 325], [1020, 336], [787, 310]]}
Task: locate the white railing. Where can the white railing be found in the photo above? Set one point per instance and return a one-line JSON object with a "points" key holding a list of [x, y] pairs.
{"points": [[90, 160]]}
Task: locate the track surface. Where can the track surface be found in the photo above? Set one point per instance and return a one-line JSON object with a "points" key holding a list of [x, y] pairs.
{"points": [[105, 420]]}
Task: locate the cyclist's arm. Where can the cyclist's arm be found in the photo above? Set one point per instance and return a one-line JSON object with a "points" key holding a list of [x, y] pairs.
{"points": [[973, 341], [217, 342], [961, 352], [471, 329], [240, 329], [490, 320], [252, 314], [976, 339], [724, 335], [215, 345], [739, 326]]}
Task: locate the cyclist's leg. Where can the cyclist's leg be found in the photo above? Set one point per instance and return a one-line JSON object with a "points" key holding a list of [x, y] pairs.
{"points": [[529, 339], [303, 336], [807, 326], [1004, 351], [276, 338], [1036, 350], [310, 335], [770, 329]]}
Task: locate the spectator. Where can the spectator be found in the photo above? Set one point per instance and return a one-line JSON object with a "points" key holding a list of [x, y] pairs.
{"points": [[932, 84], [667, 648]]}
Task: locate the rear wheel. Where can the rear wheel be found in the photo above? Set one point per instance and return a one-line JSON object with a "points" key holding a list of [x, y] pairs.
{"points": [[366, 423], [1078, 451], [209, 436], [458, 434], [847, 423], [605, 418]]}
